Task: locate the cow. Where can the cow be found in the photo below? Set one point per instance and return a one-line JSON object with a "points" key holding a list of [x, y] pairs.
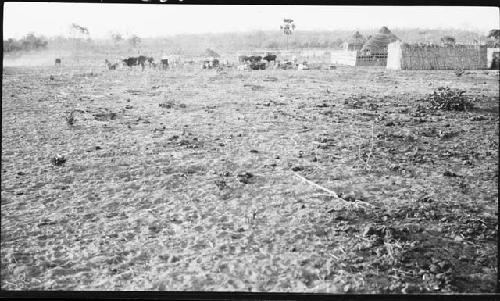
{"points": [[112, 66], [303, 66], [109, 65], [141, 60], [254, 59], [258, 66], [270, 58], [210, 64], [58, 62], [130, 61], [164, 64], [242, 58], [244, 67], [150, 61], [214, 63]]}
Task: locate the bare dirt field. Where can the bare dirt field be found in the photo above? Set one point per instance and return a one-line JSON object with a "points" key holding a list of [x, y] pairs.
{"points": [[205, 180]]}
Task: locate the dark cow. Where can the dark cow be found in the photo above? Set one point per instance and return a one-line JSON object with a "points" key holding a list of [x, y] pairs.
{"points": [[130, 61], [210, 64], [270, 58], [164, 64], [58, 62], [141, 60], [258, 66], [215, 63], [254, 59], [150, 61]]}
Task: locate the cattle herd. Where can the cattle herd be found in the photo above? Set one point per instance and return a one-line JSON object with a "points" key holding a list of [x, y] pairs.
{"points": [[246, 62]]}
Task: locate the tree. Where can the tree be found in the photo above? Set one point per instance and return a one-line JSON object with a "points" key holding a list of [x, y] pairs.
{"points": [[134, 40], [116, 37], [78, 31], [287, 27], [494, 34], [27, 43]]}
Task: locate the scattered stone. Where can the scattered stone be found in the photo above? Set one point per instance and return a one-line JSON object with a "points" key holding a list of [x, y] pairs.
{"points": [[58, 160], [433, 268], [245, 177], [21, 270], [221, 184], [369, 231], [450, 174], [174, 259]]}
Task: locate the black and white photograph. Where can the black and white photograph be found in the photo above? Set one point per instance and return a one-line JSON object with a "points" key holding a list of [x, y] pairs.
{"points": [[258, 149]]}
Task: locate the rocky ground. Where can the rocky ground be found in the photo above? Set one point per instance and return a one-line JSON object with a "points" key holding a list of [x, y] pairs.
{"points": [[227, 181]]}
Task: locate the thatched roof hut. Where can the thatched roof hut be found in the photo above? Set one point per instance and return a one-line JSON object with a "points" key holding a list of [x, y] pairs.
{"points": [[378, 42], [210, 53], [355, 42]]}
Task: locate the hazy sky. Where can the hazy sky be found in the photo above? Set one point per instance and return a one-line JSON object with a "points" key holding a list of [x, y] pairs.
{"points": [[147, 20]]}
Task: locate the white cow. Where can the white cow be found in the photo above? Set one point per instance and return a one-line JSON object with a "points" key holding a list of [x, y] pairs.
{"points": [[302, 67], [244, 67]]}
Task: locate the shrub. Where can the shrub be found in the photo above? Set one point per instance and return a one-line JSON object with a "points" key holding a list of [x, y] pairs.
{"points": [[445, 98]]}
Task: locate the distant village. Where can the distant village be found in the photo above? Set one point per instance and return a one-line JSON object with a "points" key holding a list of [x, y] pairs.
{"points": [[386, 49]]}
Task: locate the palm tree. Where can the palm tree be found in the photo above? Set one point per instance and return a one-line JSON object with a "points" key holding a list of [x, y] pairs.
{"points": [[287, 27]]}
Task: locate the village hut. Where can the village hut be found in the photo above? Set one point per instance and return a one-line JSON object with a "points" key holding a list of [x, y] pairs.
{"points": [[355, 42], [377, 44], [447, 41], [210, 53]]}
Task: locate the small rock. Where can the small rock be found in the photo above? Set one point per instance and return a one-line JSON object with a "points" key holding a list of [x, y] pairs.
{"points": [[433, 268], [297, 168], [390, 123], [174, 259], [350, 197], [23, 269], [97, 260], [254, 151], [58, 160], [442, 264], [450, 174], [369, 231], [245, 177]]}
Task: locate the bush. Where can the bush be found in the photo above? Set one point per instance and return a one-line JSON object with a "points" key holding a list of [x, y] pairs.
{"points": [[445, 98], [29, 42]]}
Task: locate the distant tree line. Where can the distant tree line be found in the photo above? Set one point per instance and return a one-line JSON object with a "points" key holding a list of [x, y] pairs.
{"points": [[27, 43], [193, 44]]}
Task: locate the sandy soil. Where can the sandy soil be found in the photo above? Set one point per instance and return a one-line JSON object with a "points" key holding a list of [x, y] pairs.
{"points": [[203, 180]]}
